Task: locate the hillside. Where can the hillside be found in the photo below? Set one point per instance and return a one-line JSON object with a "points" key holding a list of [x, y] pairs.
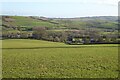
{"points": [[102, 22], [27, 22], [13, 22]]}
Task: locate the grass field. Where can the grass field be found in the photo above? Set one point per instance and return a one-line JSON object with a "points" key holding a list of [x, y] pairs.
{"points": [[28, 22], [42, 59]]}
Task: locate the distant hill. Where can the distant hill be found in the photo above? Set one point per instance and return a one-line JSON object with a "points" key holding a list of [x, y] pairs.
{"points": [[28, 22], [102, 22], [105, 18]]}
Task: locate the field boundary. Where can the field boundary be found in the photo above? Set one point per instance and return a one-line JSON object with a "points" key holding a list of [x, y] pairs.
{"points": [[61, 47]]}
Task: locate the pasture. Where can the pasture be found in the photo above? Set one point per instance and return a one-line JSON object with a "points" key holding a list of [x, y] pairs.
{"points": [[42, 59]]}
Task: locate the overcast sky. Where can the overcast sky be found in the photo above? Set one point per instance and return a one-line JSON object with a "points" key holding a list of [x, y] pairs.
{"points": [[60, 8]]}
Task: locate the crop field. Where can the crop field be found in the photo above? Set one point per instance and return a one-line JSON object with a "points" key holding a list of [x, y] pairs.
{"points": [[42, 59]]}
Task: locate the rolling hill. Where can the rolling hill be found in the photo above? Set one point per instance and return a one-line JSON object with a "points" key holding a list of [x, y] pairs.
{"points": [[28, 22]]}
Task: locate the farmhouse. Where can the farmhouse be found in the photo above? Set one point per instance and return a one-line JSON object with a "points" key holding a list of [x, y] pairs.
{"points": [[75, 40]]}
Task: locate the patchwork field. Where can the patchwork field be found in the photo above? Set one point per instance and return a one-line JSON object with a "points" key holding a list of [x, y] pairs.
{"points": [[42, 59]]}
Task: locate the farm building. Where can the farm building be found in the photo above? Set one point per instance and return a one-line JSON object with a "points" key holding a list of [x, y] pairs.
{"points": [[90, 40], [75, 40]]}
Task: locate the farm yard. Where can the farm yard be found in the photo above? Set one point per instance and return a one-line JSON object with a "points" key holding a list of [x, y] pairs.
{"points": [[25, 58]]}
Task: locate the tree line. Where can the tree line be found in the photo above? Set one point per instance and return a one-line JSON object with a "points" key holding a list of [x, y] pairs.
{"points": [[42, 33]]}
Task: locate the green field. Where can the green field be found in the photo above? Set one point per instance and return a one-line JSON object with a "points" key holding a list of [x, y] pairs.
{"points": [[42, 59], [28, 22]]}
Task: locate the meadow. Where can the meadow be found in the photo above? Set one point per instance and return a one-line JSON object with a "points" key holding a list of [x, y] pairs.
{"points": [[42, 59]]}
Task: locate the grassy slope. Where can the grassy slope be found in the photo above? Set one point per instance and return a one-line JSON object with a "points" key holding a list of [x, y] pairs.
{"points": [[83, 62], [28, 22], [97, 24], [79, 23]]}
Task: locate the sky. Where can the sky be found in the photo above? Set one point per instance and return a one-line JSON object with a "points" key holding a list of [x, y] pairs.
{"points": [[60, 8]]}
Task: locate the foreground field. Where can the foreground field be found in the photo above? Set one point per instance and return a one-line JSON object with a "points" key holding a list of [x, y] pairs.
{"points": [[42, 59]]}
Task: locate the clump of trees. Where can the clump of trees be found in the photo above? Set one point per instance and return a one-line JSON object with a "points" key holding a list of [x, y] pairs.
{"points": [[16, 35], [40, 33], [44, 34]]}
